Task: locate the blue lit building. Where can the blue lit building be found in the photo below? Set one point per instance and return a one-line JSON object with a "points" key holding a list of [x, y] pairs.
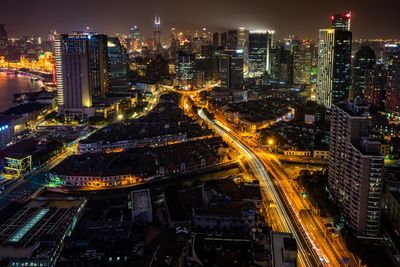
{"points": [[185, 67], [7, 134]]}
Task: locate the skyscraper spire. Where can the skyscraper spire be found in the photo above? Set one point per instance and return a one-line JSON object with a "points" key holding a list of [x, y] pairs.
{"points": [[157, 33]]}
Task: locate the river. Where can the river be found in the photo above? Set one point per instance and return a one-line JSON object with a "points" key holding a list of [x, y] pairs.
{"points": [[12, 84]]}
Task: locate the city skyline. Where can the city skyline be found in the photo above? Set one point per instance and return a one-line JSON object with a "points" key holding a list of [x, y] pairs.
{"points": [[285, 18]]}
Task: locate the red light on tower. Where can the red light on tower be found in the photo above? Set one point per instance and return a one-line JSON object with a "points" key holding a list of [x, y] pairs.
{"points": [[348, 15], [332, 18]]}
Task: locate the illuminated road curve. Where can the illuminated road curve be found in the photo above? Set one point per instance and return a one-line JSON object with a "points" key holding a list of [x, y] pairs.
{"points": [[308, 256]]}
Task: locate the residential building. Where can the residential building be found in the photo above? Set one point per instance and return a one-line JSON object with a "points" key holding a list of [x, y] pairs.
{"points": [[355, 168]]}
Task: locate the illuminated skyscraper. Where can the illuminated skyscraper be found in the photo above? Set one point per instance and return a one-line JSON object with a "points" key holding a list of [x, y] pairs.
{"points": [[117, 67], [282, 63], [375, 91], [185, 67], [260, 44], [334, 61], [232, 40], [243, 44], [224, 40], [81, 71], [135, 39], [392, 63], [135, 33], [157, 33], [230, 69], [341, 21], [3, 40], [215, 39], [364, 62]]}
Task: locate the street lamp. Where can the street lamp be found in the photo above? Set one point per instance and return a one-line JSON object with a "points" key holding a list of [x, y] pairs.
{"points": [[271, 142], [120, 117]]}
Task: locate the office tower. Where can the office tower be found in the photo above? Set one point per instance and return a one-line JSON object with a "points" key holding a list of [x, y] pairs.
{"points": [[3, 39], [81, 71], [298, 55], [51, 39], [135, 39], [215, 39], [157, 34], [117, 67], [243, 39], [135, 33], [230, 69], [174, 44], [364, 62], [375, 91], [392, 63], [185, 67], [223, 40], [260, 44], [282, 63], [355, 168], [232, 40], [310, 61], [243, 43], [334, 61], [98, 53], [341, 21]]}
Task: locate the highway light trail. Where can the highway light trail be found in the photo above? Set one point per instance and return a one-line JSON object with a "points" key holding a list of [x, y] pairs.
{"points": [[260, 171]]}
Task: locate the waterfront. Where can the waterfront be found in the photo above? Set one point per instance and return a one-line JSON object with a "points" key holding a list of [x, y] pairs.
{"points": [[11, 84]]}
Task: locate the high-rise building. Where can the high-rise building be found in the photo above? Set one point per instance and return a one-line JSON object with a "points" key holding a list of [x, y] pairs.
{"points": [[334, 61], [117, 67], [232, 40], [51, 39], [157, 33], [215, 39], [364, 62], [230, 69], [282, 63], [243, 43], [375, 91], [81, 72], [185, 67], [223, 40], [392, 63], [341, 21], [355, 167], [3, 40], [98, 67], [310, 61], [298, 55], [135, 39], [135, 33], [260, 44]]}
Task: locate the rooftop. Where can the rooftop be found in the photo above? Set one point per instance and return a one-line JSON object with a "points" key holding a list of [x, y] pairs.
{"points": [[141, 200], [22, 234]]}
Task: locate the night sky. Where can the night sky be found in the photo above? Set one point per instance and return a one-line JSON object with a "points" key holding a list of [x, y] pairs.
{"points": [[303, 18]]}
